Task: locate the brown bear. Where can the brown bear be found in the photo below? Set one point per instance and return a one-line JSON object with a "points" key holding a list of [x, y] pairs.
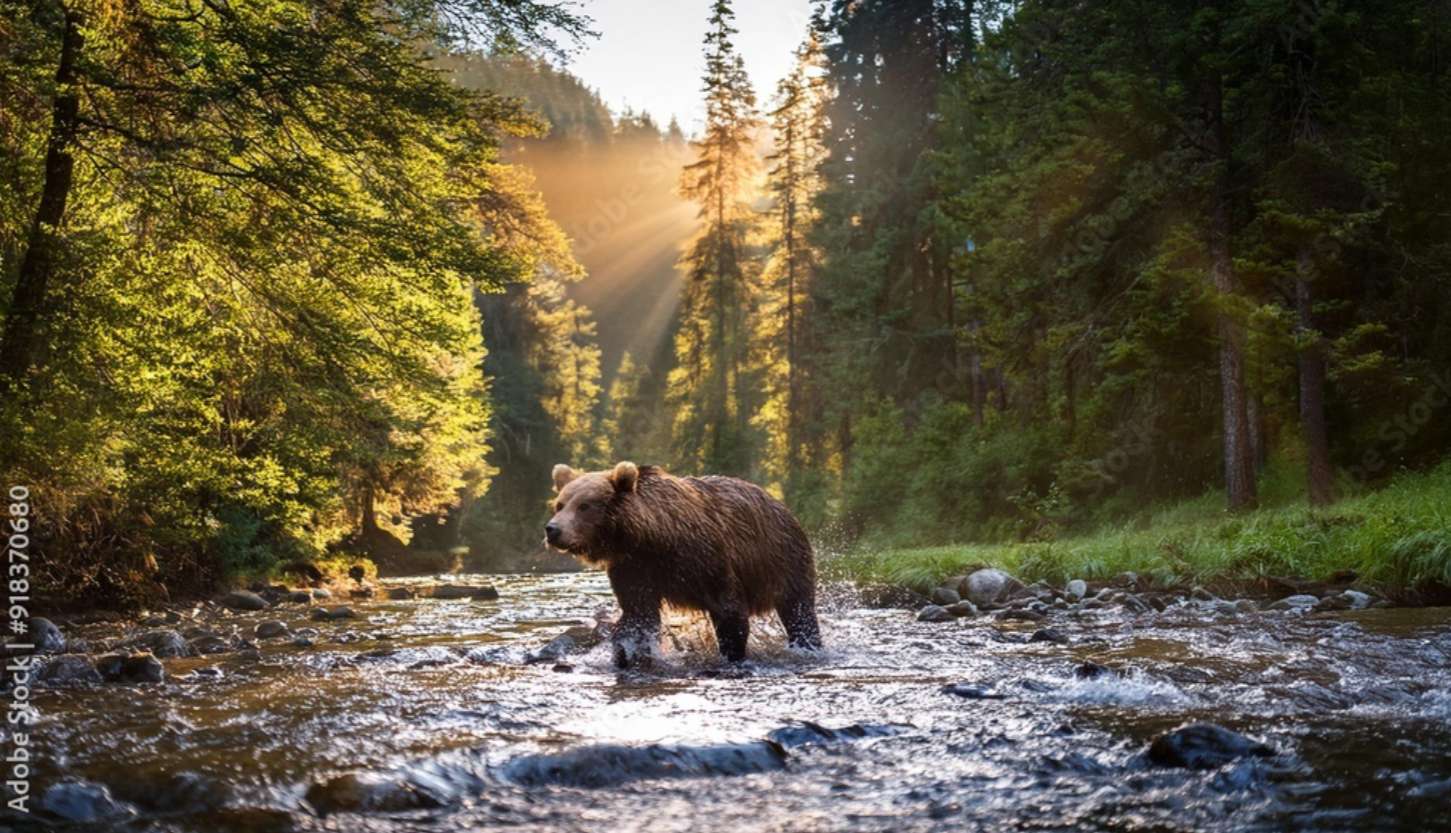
{"points": [[715, 544]]}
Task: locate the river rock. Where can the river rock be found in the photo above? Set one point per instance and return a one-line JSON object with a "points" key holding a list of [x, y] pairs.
{"points": [[162, 643], [399, 593], [1076, 589], [1246, 606], [244, 600], [1019, 615], [1134, 604], [368, 792], [45, 636], [934, 613], [465, 591], [69, 670], [332, 613], [610, 765], [962, 608], [1093, 671], [131, 668], [298, 597], [271, 630], [322, 593], [83, 802], [1127, 578], [1053, 635], [211, 644], [969, 691], [945, 596], [1202, 595], [574, 640], [1204, 746], [1345, 600], [989, 586], [1298, 602]]}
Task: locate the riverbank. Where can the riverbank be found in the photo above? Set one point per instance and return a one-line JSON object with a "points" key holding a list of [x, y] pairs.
{"points": [[1396, 539]]}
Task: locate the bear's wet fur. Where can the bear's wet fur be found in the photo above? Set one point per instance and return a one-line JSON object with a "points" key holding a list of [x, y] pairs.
{"points": [[714, 544]]}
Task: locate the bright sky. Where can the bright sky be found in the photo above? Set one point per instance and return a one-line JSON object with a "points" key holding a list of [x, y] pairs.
{"points": [[648, 54]]}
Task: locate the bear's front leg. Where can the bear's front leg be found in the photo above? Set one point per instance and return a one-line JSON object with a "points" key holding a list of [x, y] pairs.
{"points": [[638, 633], [732, 632]]}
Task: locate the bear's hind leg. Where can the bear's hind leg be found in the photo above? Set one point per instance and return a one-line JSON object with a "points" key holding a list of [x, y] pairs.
{"points": [[798, 617], [732, 630]]}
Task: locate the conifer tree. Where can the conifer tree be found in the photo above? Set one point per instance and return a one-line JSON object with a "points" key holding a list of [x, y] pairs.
{"points": [[711, 347]]}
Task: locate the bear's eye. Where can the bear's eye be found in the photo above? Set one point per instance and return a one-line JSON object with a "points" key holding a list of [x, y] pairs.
{"points": [[584, 507], [559, 507]]}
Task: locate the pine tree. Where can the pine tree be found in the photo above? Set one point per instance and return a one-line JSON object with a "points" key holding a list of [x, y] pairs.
{"points": [[797, 123], [711, 347]]}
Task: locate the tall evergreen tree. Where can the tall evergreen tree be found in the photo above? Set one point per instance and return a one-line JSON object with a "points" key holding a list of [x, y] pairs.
{"points": [[712, 402]]}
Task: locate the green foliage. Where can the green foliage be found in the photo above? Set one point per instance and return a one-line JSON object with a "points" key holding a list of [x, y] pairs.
{"points": [[252, 326]]}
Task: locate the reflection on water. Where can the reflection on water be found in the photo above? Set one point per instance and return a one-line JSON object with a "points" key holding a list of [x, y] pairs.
{"points": [[427, 714]]}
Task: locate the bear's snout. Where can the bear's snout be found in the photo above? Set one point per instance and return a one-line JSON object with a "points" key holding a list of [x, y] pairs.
{"points": [[552, 533]]}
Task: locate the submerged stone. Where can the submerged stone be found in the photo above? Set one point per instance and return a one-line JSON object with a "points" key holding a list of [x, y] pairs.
{"points": [[611, 765], [1204, 746], [934, 613]]}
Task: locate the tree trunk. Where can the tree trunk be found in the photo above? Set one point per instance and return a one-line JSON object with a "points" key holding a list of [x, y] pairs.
{"points": [[369, 525], [790, 240], [25, 322], [1239, 475], [1312, 388]]}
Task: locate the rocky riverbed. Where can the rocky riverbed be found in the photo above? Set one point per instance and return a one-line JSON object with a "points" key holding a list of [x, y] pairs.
{"points": [[491, 704]]}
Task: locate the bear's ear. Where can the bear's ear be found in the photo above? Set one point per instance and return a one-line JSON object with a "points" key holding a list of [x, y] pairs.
{"points": [[624, 476], [562, 475]]}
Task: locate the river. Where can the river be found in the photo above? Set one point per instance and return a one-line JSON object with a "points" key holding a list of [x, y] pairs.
{"points": [[429, 715]]}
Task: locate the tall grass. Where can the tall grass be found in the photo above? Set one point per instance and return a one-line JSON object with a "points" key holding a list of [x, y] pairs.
{"points": [[1397, 537]]}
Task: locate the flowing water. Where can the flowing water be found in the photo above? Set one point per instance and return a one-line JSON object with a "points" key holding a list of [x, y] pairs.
{"points": [[429, 715]]}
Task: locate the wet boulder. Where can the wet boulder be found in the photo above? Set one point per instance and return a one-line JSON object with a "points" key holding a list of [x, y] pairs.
{"points": [[244, 600], [465, 591], [400, 593], [989, 586], [210, 644], [83, 802], [298, 597], [161, 643], [45, 636], [576, 639], [945, 596], [333, 613], [962, 608], [271, 630], [131, 668], [1204, 746], [1076, 589], [807, 733], [1093, 671], [934, 613], [969, 691], [322, 593], [361, 792], [1052, 635], [611, 765], [1297, 602], [69, 670]]}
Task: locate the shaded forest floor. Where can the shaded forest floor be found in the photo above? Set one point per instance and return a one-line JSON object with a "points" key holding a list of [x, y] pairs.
{"points": [[1397, 538]]}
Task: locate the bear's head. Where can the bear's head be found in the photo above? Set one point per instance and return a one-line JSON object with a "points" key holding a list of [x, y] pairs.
{"points": [[582, 506]]}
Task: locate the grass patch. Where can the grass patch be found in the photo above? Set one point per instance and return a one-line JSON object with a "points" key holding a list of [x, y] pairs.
{"points": [[1397, 537]]}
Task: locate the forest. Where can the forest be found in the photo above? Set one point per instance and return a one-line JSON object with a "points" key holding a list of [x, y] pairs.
{"points": [[289, 281]]}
